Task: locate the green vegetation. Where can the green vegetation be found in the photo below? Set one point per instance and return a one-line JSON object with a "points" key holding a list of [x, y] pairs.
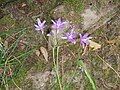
{"points": [[12, 60]]}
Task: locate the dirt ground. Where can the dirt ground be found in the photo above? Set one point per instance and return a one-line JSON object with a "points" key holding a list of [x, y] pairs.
{"points": [[100, 18]]}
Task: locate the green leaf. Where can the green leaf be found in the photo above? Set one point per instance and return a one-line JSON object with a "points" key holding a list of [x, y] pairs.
{"points": [[81, 64]]}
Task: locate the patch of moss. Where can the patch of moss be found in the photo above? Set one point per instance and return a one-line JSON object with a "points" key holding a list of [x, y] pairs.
{"points": [[77, 5]]}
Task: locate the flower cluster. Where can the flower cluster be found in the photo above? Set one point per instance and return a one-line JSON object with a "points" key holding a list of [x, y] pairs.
{"points": [[84, 39], [71, 36], [40, 25], [59, 25]]}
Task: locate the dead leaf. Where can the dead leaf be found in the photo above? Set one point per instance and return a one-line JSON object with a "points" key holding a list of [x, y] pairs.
{"points": [[37, 52], [85, 50], [94, 45], [6, 44], [23, 5], [44, 52], [111, 41], [23, 44]]}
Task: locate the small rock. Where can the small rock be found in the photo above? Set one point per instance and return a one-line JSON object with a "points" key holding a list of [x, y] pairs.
{"points": [[39, 80], [89, 17]]}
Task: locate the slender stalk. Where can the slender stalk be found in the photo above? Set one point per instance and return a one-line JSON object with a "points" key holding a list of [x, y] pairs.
{"points": [[57, 62], [62, 71], [56, 65], [54, 57]]}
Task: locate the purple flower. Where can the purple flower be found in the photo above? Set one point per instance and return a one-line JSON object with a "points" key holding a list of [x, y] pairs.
{"points": [[71, 36], [40, 25], [58, 25], [84, 39]]}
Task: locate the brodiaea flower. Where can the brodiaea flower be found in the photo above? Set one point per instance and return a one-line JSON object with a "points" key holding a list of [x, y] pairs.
{"points": [[84, 39], [40, 25], [58, 25], [71, 36]]}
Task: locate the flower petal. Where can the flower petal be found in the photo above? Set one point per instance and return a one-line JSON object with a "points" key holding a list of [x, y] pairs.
{"points": [[38, 21], [59, 21], [36, 26], [85, 35], [53, 22]]}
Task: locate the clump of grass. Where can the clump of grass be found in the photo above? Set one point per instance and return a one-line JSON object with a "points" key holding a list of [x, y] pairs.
{"points": [[10, 62]]}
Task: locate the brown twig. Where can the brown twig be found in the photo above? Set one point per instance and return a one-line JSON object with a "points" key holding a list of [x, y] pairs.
{"points": [[108, 65]]}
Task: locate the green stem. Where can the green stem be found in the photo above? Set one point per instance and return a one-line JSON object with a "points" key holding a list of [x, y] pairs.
{"points": [[57, 62], [54, 57], [56, 65]]}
